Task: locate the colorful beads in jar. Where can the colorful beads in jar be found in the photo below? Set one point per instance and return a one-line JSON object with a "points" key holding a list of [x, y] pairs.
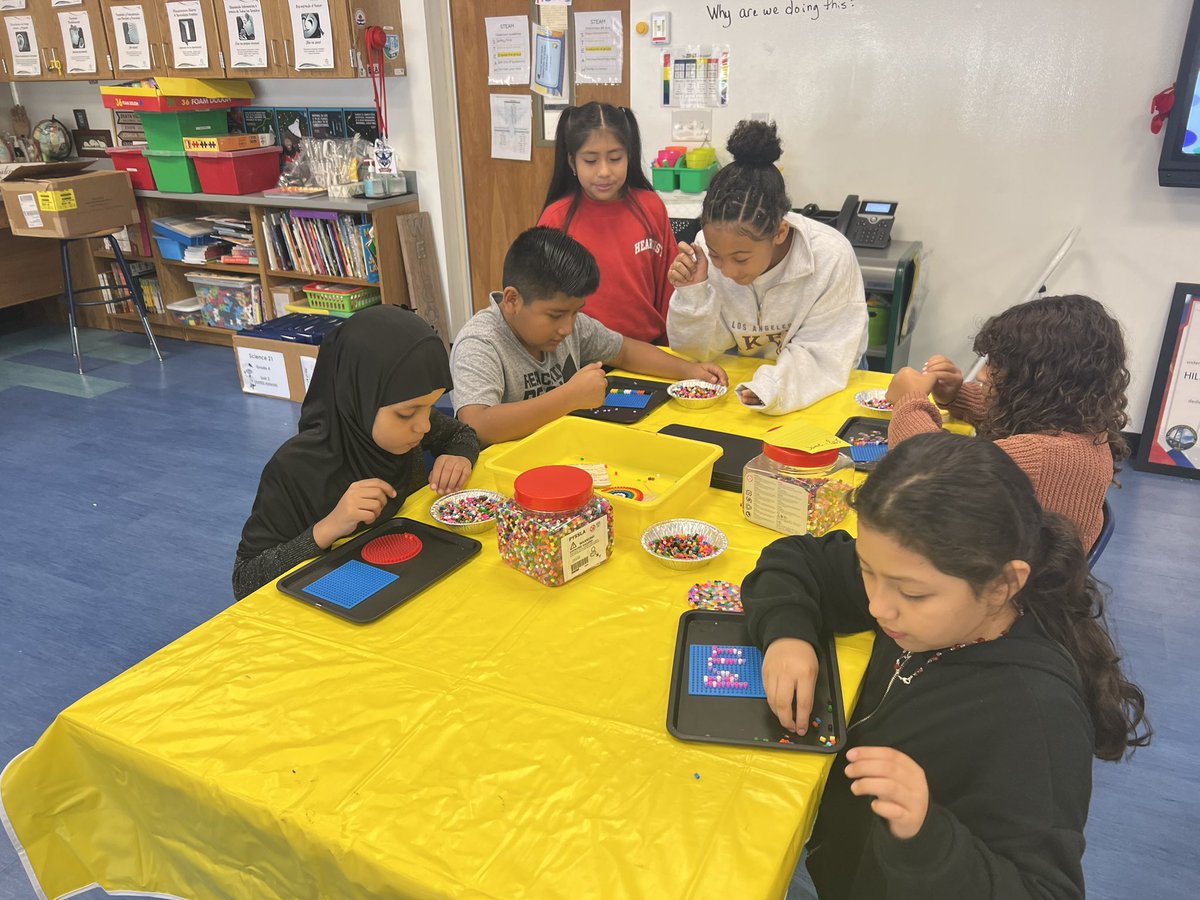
{"points": [[554, 528], [794, 492]]}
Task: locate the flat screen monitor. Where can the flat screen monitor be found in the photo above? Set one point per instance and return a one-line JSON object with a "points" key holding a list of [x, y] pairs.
{"points": [[1179, 165]]}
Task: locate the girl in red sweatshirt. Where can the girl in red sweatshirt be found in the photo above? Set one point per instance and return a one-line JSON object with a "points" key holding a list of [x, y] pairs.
{"points": [[601, 197]]}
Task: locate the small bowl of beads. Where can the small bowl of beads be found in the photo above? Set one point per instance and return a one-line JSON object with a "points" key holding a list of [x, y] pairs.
{"points": [[468, 512], [684, 543], [875, 400], [695, 393]]}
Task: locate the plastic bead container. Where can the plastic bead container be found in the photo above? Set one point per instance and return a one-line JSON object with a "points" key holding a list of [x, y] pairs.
{"points": [[555, 528], [795, 492]]}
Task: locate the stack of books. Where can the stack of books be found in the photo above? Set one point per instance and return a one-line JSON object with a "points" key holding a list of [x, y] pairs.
{"points": [[237, 238], [320, 242]]}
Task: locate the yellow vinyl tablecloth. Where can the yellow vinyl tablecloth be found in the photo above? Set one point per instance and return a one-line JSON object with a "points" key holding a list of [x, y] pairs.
{"points": [[490, 738]]}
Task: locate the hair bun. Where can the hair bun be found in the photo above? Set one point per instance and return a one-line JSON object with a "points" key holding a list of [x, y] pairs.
{"points": [[754, 143]]}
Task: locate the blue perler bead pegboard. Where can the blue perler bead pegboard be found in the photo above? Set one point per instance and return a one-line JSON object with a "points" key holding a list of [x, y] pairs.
{"points": [[726, 664], [626, 401], [350, 584], [864, 453]]}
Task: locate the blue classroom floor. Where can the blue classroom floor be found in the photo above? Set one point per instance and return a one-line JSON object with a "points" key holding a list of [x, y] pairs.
{"points": [[124, 494]]}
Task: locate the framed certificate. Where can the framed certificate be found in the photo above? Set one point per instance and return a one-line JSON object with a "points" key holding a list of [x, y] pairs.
{"points": [[1170, 441]]}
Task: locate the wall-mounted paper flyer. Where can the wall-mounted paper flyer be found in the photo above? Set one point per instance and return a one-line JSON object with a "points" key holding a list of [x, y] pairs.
{"points": [[549, 75], [599, 48], [78, 48], [6, 5], [512, 126], [185, 21], [508, 49], [66, 3], [311, 37], [247, 34], [23, 46], [132, 44]]}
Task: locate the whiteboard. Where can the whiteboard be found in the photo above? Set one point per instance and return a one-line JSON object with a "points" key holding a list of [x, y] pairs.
{"points": [[998, 125]]}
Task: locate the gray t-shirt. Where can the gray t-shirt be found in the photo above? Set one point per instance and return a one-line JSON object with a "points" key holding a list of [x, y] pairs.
{"points": [[490, 364]]}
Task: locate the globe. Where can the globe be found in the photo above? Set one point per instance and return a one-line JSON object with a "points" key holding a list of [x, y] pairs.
{"points": [[53, 138]]}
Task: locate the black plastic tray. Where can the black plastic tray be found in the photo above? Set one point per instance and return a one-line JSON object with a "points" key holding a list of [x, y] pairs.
{"points": [[443, 552], [857, 425], [747, 721], [739, 450], [624, 415]]}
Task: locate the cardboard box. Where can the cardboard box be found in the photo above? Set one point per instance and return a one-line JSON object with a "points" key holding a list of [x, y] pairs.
{"points": [[61, 200], [177, 94], [274, 368]]}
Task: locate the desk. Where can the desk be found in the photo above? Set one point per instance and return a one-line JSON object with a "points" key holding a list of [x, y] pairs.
{"points": [[491, 738]]}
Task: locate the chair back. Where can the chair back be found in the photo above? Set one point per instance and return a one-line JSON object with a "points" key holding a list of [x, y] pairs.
{"points": [[1106, 533]]}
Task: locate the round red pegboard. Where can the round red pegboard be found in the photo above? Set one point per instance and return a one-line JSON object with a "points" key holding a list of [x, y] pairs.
{"points": [[391, 549]]}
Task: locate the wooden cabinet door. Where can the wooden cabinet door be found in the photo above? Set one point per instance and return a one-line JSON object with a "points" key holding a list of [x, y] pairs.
{"points": [[135, 42], [190, 39], [318, 38], [77, 32], [252, 37]]}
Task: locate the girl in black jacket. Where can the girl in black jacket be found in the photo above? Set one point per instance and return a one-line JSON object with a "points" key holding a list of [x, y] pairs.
{"points": [[967, 767]]}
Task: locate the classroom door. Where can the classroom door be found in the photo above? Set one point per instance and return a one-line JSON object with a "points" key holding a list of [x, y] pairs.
{"points": [[504, 197]]}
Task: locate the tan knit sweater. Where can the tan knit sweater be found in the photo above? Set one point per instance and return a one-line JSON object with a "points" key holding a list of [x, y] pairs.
{"points": [[1070, 472]]}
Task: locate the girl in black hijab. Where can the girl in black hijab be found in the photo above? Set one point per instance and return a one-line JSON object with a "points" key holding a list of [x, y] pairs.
{"points": [[357, 456]]}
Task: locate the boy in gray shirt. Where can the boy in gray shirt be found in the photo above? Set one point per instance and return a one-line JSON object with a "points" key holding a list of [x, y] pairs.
{"points": [[533, 356]]}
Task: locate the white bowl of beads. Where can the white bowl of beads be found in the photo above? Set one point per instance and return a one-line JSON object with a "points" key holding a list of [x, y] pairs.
{"points": [[695, 393], [684, 543], [467, 512], [874, 401]]}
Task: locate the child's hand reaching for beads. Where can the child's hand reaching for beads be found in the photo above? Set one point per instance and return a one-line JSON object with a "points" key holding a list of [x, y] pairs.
{"points": [[896, 782], [360, 505], [449, 474], [690, 266], [710, 372], [789, 676]]}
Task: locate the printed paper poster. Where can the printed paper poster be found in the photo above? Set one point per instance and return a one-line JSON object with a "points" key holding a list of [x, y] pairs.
{"points": [[22, 44], [512, 126], [6, 5], [185, 21], [132, 44], [78, 48], [1177, 431], [599, 48], [311, 36], [508, 49], [549, 76], [247, 34]]}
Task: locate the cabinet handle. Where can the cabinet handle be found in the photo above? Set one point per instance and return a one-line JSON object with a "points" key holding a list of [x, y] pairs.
{"points": [[274, 58], [287, 57], [150, 46]]}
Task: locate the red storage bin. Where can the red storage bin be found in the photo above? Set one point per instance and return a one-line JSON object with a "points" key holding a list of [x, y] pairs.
{"points": [[237, 171], [135, 163]]}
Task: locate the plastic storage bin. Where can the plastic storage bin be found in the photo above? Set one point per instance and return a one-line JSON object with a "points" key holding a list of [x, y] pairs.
{"points": [[237, 172], [173, 171], [665, 179], [340, 297], [695, 181], [166, 131], [228, 301], [135, 163], [670, 472], [701, 157], [187, 312], [168, 248], [795, 492], [555, 527]]}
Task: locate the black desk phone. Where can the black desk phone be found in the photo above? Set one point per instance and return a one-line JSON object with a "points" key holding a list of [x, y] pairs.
{"points": [[867, 223]]}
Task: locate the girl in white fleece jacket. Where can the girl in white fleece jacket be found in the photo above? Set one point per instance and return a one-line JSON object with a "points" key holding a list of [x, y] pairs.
{"points": [[780, 287]]}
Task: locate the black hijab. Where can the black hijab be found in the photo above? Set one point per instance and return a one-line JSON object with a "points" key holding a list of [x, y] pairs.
{"points": [[380, 356]]}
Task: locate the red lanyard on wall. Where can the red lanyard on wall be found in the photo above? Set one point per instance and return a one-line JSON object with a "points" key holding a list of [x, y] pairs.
{"points": [[375, 39]]}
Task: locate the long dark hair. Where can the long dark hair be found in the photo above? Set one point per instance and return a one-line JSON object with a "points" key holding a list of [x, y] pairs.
{"points": [[749, 193], [1056, 364], [963, 504], [575, 127]]}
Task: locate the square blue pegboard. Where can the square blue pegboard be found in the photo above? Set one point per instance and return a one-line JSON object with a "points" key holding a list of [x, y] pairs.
{"points": [[868, 453], [627, 399], [745, 668], [350, 584]]}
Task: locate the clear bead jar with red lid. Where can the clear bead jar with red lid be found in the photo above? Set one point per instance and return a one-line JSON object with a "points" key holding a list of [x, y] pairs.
{"points": [[795, 492], [555, 527]]}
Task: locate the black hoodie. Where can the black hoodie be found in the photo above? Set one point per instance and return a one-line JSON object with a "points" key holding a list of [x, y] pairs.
{"points": [[1000, 729]]}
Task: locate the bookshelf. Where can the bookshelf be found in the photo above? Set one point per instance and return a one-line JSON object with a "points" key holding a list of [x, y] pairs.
{"points": [[383, 215]]}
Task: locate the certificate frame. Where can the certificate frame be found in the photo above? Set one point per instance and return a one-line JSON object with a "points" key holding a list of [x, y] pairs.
{"points": [[1167, 446]]}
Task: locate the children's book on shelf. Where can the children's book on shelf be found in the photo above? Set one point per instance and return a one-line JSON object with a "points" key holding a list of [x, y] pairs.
{"points": [[318, 242]]}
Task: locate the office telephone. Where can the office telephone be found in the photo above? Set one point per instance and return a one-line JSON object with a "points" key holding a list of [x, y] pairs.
{"points": [[866, 223]]}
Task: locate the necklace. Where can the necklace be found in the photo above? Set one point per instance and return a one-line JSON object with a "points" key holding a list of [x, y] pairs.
{"points": [[903, 658]]}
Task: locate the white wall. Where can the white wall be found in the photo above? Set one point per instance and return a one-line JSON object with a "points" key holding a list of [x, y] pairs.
{"points": [[410, 120], [997, 124]]}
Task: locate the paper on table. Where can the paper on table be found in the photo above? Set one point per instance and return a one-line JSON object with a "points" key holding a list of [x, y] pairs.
{"points": [[247, 34], [508, 49], [185, 21], [129, 35], [803, 437], [512, 126], [598, 48]]}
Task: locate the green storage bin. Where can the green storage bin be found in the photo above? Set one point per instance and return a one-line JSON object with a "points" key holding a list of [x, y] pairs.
{"points": [[174, 171], [166, 131], [878, 319], [341, 298], [667, 179], [695, 181]]}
